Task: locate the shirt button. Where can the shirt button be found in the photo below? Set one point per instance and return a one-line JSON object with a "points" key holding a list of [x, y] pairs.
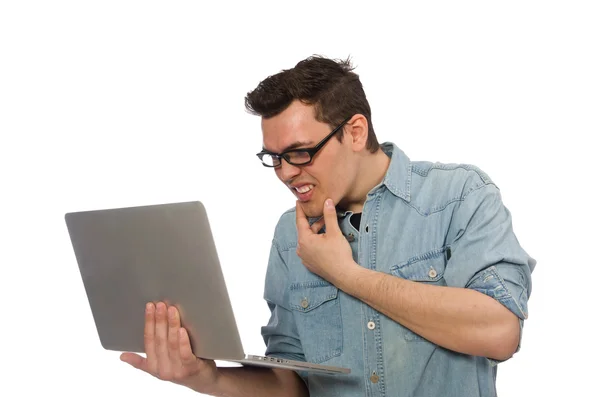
{"points": [[350, 237], [432, 273], [371, 325], [304, 303], [374, 378]]}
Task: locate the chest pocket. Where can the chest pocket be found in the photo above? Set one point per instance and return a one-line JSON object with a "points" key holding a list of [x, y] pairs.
{"points": [[318, 316], [427, 268]]}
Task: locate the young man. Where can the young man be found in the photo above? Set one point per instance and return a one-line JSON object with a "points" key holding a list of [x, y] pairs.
{"points": [[406, 272]]}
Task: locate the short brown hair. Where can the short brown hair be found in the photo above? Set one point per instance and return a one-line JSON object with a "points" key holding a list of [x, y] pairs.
{"points": [[329, 84]]}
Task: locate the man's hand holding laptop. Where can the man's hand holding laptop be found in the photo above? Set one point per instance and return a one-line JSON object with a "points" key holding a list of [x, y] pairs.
{"points": [[169, 353]]}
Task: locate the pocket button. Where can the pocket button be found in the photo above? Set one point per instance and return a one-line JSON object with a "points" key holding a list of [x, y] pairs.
{"points": [[432, 273], [304, 303]]}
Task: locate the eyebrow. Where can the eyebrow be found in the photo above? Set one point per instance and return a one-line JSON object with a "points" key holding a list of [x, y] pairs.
{"points": [[294, 145]]}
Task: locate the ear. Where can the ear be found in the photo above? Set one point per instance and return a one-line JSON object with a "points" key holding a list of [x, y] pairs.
{"points": [[358, 129]]}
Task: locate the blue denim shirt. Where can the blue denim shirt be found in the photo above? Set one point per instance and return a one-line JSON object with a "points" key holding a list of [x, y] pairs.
{"points": [[440, 224]]}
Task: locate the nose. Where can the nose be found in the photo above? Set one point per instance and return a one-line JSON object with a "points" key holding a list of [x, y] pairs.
{"points": [[287, 171]]}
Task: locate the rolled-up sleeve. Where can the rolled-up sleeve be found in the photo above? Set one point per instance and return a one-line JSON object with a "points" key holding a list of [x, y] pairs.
{"points": [[280, 333], [485, 254]]}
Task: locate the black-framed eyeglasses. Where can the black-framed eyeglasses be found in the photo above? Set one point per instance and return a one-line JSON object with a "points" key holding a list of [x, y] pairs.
{"points": [[297, 156]]}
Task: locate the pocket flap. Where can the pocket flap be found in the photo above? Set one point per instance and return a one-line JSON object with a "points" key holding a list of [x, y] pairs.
{"points": [[307, 296], [429, 266]]}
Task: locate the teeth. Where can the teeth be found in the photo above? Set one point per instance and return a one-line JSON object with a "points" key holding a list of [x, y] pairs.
{"points": [[305, 188]]}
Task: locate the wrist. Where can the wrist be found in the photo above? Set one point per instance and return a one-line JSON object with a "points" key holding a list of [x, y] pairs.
{"points": [[200, 384], [348, 276]]}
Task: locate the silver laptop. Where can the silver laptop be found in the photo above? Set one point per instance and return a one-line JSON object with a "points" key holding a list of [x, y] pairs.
{"points": [[165, 252]]}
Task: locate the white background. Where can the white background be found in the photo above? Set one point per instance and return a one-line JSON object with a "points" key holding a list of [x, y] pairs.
{"points": [[119, 103]]}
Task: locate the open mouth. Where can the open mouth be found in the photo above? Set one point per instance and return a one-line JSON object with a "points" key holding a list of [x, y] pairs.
{"points": [[304, 193], [304, 188]]}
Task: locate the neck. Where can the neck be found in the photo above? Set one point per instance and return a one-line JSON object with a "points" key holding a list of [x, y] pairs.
{"points": [[371, 172]]}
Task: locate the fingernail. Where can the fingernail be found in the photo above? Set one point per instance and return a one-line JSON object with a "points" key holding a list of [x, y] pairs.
{"points": [[329, 203]]}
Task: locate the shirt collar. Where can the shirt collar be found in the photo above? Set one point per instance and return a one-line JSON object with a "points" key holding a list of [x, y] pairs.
{"points": [[398, 176]]}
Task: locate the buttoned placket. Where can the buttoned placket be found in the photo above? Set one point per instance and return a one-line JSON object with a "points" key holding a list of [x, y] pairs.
{"points": [[362, 241]]}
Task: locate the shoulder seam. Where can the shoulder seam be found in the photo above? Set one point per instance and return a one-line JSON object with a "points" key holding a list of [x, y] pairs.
{"points": [[449, 167], [453, 200]]}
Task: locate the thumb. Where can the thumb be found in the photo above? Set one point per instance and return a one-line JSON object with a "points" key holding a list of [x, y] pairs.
{"points": [[135, 360], [330, 216]]}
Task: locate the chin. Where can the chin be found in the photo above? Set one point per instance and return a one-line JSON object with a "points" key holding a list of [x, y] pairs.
{"points": [[312, 210]]}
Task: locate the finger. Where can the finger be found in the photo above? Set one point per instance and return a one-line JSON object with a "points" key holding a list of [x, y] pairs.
{"points": [[330, 216], [135, 360], [318, 225], [302, 224], [173, 336], [162, 347], [186, 355], [149, 339]]}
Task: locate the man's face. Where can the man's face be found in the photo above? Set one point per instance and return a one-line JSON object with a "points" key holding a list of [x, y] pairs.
{"points": [[327, 176]]}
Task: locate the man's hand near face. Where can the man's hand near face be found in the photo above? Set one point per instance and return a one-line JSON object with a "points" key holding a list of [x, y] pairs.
{"points": [[328, 254]]}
